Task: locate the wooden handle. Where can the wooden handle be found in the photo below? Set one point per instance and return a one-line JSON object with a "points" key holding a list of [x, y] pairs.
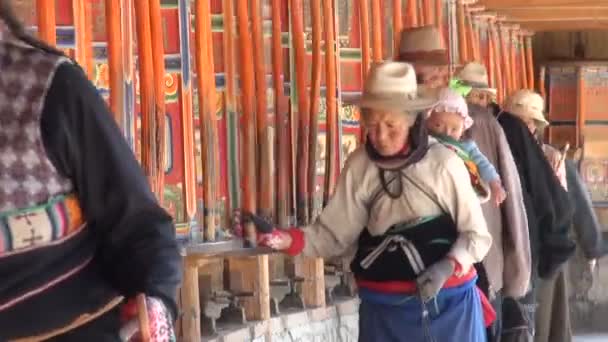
{"points": [[142, 315]]}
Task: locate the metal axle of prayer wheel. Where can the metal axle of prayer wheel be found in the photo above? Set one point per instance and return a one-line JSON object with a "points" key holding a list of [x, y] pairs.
{"points": [[234, 313], [342, 289], [293, 299]]}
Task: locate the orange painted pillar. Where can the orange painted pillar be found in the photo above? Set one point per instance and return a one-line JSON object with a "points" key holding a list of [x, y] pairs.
{"points": [[45, 12], [365, 42], [463, 43], [529, 61], [397, 24], [377, 26]]}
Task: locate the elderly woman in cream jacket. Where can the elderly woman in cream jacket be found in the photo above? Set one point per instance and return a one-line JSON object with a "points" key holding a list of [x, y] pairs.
{"points": [[406, 203]]}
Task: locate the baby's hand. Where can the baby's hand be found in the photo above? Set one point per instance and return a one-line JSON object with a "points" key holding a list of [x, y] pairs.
{"points": [[498, 192]]}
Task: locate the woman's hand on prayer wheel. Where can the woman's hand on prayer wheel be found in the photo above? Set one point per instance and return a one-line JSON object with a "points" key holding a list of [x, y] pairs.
{"points": [[278, 240]]}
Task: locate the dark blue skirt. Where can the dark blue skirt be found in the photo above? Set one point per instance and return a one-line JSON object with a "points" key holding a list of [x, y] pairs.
{"points": [[455, 315]]}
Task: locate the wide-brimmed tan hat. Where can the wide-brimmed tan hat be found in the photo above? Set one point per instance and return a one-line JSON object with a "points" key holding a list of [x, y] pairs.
{"points": [[423, 46], [527, 104], [475, 75], [392, 86]]}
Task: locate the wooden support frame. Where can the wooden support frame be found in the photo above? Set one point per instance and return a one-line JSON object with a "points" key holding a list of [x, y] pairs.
{"points": [[313, 272], [252, 274]]}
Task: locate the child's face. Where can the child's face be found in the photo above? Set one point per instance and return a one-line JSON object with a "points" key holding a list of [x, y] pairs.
{"points": [[446, 123]]}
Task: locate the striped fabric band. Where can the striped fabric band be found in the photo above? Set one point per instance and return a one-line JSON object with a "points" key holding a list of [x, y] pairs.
{"points": [[30, 228]]}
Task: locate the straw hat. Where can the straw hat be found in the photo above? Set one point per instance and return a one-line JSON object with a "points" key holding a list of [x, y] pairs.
{"points": [[475, 75], [423, 45], [392, 85], [527, 104]]}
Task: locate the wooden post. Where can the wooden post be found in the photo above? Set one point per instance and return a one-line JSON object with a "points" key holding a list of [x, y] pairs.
{"points": [[529, 60], [191, 307], [146, 91], [265, 186], [315, 93], [186, 112], [331, 168], [377, 26], [313, 288], [365, 31], [158, 58], [252, 274], [397, 24], [282, 120], [45, 12], [463, 43], [303, 156], [84, 31]]}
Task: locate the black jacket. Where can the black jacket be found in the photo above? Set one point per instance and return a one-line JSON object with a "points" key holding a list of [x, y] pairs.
{"points": [[547, 203]]}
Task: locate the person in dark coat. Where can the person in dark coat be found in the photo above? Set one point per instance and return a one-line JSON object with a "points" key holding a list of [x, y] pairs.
{"points": [[547, 203], [81, 233], [508, 263]]}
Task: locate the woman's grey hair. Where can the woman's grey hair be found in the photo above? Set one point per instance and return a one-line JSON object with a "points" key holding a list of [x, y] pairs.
{"points": [[17, 29], [410, 116]]}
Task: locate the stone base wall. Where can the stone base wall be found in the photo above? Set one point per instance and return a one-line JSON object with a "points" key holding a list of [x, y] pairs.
{"points": [[335, 323]]}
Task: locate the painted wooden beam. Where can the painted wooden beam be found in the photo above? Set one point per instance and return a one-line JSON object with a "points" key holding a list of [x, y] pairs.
{"points": [[538, 3], [530, 14], [577, 25]]}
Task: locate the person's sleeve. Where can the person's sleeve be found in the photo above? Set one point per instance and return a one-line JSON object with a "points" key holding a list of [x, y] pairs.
{"points": [[138, 252], [516, 241], [586, 224], [340, 223], [459, 199], [487, 171]]}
